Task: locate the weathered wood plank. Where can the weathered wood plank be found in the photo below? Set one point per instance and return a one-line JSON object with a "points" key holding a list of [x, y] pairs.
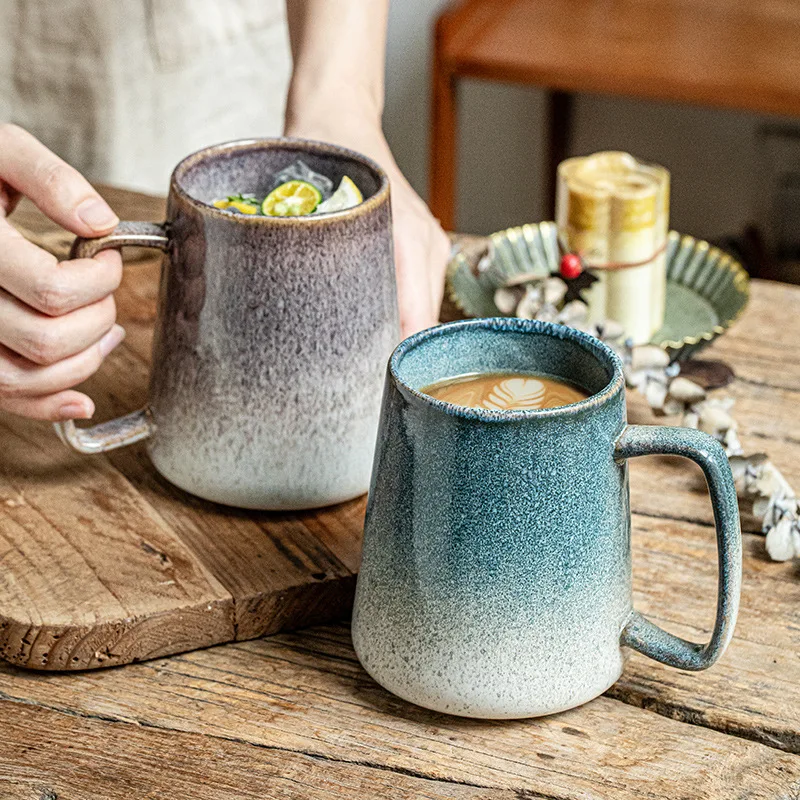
{"points": [[306, 693], [305, 698], [46, 755], [289, 570], [770, 321], [754, 690], [89, 570], [283, 570]]}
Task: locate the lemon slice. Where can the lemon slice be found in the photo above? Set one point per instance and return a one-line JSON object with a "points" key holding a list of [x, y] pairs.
{"points": [[346, 196], [244, 208], [291, 199], [244, 205]]}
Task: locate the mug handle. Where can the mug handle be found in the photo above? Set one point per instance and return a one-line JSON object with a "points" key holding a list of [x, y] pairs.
{"points": [[641, 634], [138, 425]]}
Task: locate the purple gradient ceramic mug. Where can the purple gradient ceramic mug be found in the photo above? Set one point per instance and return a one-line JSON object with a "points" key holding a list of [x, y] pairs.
{"points": [[272, 333]]}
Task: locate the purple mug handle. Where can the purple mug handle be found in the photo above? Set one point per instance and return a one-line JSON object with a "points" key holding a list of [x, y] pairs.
{"points": [[138, 425]]}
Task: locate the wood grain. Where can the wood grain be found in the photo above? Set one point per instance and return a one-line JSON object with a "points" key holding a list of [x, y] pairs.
{"points": [[754, 690], [80, 758], [306, 694], [91, 574], [125, 565]]}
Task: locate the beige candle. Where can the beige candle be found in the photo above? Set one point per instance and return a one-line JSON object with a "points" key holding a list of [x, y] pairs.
{"points": [[613, 211]]}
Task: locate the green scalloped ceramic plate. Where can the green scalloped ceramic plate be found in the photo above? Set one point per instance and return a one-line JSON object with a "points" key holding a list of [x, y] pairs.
{"points": [[707, 289]]}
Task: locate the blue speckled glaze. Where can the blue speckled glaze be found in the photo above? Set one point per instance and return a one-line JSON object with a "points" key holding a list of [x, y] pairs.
{"points": [[496, 574]]}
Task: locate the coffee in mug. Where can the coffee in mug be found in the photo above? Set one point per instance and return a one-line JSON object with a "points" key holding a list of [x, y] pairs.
{"points": [[506, 391]]}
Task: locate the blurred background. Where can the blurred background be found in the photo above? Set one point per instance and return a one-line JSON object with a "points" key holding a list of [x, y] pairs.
{"points": [[735, 173]]}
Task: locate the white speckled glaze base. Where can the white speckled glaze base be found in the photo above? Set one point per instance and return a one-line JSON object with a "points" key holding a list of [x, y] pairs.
{"points": [[496, 571], [479, 664]]}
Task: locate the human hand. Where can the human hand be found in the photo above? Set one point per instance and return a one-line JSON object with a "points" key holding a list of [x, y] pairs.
{"points": [[57, 319], [421, 247]]}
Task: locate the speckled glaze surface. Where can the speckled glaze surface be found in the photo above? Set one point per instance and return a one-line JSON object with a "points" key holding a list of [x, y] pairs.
{"points": [[496, 574], [272, 333]]}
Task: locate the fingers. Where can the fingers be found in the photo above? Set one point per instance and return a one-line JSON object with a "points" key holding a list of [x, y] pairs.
{"points": [[45, 340], [439, 256], [56, 319], [41, 392], [8, 199], [422, 250], [58, 189], [54, 288], [55, 407]]}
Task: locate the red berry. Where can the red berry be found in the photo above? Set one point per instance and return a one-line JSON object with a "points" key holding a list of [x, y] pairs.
{"points": [[571, 266]]}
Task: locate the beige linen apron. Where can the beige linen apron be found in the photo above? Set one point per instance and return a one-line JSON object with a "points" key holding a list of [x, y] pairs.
{"points": [[123, 89]]}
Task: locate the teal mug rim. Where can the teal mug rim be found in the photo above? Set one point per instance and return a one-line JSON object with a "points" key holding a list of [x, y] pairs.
{"points": [[601, 351], [379, 197]]}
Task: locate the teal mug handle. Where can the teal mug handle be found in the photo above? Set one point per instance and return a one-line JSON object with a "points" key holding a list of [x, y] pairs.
{"points": [[641, 634], [138, 425]]}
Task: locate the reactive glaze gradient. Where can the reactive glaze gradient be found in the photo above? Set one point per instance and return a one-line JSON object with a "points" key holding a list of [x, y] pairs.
{"points": [[496, 569], [496, 573], [271, 335]]}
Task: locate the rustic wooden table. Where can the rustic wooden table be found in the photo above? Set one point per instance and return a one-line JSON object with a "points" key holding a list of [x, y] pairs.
{"points": [[294, 715]]}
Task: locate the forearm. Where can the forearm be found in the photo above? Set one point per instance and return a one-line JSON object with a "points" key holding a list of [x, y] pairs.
{"points": [[336, 95], [339, 53]]}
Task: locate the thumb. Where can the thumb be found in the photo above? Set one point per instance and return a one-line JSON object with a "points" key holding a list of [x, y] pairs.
{"points": [[58, 189]]}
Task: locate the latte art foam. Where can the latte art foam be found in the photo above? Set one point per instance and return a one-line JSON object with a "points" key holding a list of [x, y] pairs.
{"points": [[505, 391]]}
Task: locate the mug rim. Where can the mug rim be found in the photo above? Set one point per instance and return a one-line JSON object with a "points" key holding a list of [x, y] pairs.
{"points": [[380, 196], [589, 343]]}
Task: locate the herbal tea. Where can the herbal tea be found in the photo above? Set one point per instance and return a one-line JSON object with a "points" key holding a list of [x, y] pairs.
{"points": [[505, 391]]}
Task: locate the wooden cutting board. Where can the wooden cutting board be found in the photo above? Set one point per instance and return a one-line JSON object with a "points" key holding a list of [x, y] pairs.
{"points": [[105, 563]]}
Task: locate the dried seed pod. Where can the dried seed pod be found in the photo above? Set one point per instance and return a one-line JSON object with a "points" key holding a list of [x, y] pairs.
{"points": [[506, 299], [672, 407], [686, 391], [553, 291], [525, 277], [768, 481], [691, 419], [739, 465], [610, 330], [648, 356], [780, 540], [656, 393], [638, 379], [574, 313], [761, 507], [528, 306], [547, 312], [731, 443], [715, 420]]}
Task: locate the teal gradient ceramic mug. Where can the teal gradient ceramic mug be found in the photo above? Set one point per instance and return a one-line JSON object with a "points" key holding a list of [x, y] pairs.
{"points": [[496, 574]]}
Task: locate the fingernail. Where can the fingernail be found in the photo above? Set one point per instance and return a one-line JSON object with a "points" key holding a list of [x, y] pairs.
{"points": [[96, 213], [111, 340], [75, 411]]}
